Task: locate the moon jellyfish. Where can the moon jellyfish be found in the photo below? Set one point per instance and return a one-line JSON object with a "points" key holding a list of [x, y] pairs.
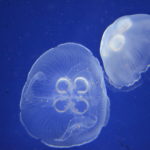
{"points": [[125, 50], [64, 101]]}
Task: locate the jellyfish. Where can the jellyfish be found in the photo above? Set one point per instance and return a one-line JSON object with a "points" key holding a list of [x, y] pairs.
{"points": [[64, 102], [125, 50]]}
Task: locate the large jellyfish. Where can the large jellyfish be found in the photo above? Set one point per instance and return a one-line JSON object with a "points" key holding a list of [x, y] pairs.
{"points": [[125, 50], [64, 101]]}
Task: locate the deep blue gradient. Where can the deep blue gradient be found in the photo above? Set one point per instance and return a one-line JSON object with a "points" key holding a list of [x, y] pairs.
{"points": [[29, 28]]}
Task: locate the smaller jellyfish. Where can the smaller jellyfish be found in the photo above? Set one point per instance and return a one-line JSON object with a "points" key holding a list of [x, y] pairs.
{"points": [[125, 50], [64, 102]]}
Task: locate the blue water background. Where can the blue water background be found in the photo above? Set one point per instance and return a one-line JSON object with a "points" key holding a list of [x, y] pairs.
{"points": [[29, 28]]}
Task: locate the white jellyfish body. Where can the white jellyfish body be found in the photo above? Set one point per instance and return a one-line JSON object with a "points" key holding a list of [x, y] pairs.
{"points": [[64, 101], [125, 50]]}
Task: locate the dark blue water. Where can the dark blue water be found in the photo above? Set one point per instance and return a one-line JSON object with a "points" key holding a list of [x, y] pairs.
{"points": [[29, 28]]}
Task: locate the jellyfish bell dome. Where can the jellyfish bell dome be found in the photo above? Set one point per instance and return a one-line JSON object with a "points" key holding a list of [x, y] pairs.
{"points": [[125, 50], [64, 102]]}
